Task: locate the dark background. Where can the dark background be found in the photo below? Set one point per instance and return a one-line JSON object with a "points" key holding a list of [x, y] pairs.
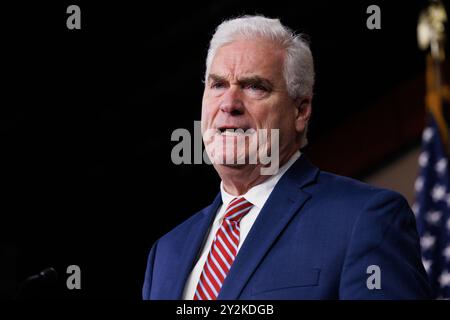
{"points": [[86, 118]]}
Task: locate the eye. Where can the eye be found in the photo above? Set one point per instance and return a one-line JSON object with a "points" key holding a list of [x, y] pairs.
{"points": [[217, 85], [256, 87]]}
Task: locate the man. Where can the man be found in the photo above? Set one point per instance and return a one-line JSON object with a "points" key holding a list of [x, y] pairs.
{"points": [[299, 233]]}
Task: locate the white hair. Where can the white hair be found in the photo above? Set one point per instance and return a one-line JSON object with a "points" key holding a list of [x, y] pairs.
{"points": [[298, 63]]}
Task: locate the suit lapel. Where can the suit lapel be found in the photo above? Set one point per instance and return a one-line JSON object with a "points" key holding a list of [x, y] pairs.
{"points": [[191, 247], [284, 202]]}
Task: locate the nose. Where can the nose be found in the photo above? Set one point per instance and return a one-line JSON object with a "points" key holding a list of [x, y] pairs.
{"points": [[232, 101]]}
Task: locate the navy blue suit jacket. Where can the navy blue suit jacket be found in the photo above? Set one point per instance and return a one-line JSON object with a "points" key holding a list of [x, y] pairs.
{"points": [[314, 238]]}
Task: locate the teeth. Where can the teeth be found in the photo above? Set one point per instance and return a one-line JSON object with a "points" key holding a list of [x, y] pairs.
{"points": [[234, 133]]}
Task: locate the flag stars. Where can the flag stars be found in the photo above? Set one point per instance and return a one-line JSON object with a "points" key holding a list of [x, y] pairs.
{"points": [[432, 209], [423, 159], [446, 253], [444, 279], [441, 166], [418, 185], [438, 192], [427, 134], [433, 217], [427, 241]]}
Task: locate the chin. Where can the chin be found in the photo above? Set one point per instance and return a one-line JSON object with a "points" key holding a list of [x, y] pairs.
{"points": [[222, 149], [232, 166]]}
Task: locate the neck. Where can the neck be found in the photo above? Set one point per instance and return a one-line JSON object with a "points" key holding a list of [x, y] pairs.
{"points": [[237, 180]]}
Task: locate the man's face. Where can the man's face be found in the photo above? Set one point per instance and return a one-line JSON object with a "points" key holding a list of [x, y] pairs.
{"points": [[246, 90]]}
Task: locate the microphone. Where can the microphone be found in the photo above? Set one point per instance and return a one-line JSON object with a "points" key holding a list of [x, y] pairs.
{"points": [[48, 275]]}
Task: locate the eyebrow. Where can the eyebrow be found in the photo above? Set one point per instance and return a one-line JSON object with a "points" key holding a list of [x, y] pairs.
{"points": [[254, 80]]}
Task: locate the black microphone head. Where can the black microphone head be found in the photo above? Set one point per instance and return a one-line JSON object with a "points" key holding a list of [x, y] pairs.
{"points": [[34, 283], [48, 274]]}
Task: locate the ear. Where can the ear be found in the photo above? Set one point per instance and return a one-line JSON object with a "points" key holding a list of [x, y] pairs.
{"points": [[302, 113]]}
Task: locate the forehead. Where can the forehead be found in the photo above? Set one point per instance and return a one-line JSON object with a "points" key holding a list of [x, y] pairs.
{"points": [[249, 57]]}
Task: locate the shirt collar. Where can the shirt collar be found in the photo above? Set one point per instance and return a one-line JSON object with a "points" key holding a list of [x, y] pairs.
{"points": [[259, 194]]}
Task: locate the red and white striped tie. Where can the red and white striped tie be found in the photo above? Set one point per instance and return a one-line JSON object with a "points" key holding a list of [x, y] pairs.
{"points": [[223, 251]]}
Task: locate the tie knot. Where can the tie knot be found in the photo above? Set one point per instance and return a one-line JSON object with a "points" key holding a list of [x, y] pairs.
{"points": [[237, 209]]}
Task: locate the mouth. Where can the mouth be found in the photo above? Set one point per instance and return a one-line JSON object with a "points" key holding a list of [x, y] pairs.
{"points": [[234, 131]]}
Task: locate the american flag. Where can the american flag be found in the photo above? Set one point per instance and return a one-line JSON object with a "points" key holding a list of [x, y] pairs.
{"points": [[432, 210]]}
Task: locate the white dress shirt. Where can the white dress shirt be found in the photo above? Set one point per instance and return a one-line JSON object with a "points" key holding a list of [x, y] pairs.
{"points": [[258, 196]]}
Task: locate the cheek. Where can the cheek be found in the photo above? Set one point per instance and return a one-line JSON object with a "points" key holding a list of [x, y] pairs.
{"points": [[283, 121], [205, 103], [205, 120], [265, 117], [258, 112], [208, 112], [270, 113]]}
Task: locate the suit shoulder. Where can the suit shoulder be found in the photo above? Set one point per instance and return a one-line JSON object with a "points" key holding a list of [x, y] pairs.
{"points": [[350, 197], [349, 188]]}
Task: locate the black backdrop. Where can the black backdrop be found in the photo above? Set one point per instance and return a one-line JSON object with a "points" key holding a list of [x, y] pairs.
{"points": [[86, 118]]}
